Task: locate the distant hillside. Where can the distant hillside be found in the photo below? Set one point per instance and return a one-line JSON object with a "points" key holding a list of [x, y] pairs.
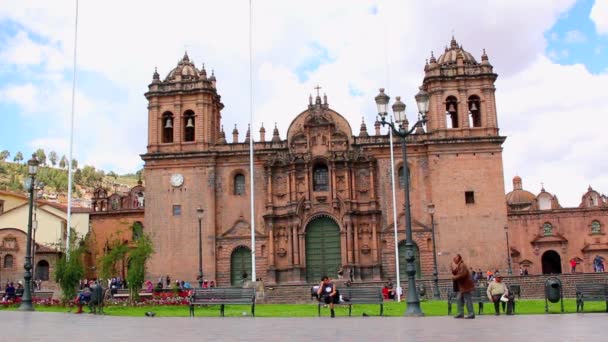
{"points": [[53, 181]]}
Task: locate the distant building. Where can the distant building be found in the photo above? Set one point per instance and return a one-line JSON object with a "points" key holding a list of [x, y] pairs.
{"points": [[49, 235], [115, 218], [544, 236]]}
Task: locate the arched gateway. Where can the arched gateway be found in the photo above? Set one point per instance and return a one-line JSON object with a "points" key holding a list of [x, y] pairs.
{"points": [[552, 262], [323, 254]]}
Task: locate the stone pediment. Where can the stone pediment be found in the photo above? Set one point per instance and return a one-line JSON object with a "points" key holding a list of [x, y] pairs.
{"points": [[549, 239], [240, 229], [595, 247]]}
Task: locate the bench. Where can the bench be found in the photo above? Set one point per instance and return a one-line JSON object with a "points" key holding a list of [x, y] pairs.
{"points": [[358, 295], [43, 294], [124, 293], [591, 293], [222, 296], [478, 295]]}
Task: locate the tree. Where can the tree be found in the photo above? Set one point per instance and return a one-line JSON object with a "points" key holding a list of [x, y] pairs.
{"points": [[70, 270], [116, 253], [136, 272], [41, 156], [18, 157], [4, 154], [53, 158], [74, 164], [63, 162]]}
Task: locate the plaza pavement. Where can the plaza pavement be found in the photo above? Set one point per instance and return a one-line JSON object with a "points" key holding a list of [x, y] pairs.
{"points": [[40, 326]]}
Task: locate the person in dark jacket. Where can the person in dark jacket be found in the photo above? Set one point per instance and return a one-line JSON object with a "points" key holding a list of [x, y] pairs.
{"points": [[465, 284]]}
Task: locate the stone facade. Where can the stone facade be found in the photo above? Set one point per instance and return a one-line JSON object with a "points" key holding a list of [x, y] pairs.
{"points": [[13, 244], [544, 237], [322, 178], [115, 218]]}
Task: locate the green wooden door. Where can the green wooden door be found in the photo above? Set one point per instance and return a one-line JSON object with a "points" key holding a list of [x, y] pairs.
{"points": [[323, 255], [403, 262], [240, 264]]}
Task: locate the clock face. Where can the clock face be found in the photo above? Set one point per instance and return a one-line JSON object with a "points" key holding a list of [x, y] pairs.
{"points": [[177, 179]]}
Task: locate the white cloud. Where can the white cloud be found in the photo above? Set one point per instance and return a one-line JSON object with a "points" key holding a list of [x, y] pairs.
{"points": [[599, 15], [535, 96], [23, 95], [554, 128], [575, 36]]}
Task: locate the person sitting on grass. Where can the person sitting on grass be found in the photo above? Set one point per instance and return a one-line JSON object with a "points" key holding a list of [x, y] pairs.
{"points": [[330, 293]]}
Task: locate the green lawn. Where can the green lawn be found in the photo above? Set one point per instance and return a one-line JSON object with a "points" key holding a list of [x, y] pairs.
{"points": [[430, 308]]}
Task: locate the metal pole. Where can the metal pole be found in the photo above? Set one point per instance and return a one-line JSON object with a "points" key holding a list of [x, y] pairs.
{"points": [[251, 171], [436, 294], [26, 300], [395, 225], [508, 251], [200, 253], [70, 178], [413, 302]]}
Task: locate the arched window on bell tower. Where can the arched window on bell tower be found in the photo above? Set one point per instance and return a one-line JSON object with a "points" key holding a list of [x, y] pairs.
{"points": [[451, 112], [167, 124], [474, 111], [189, 125]]}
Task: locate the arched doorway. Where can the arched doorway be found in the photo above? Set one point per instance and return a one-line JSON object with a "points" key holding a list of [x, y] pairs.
{"points": [[240, 265], [42, 270], [323, 254], [403, 262], [552, 262]]}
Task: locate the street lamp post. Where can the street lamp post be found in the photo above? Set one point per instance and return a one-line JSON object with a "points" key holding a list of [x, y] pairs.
{"points": [[436, 294], [508, 251], [199, 212], [26, 300], [422, 100]]}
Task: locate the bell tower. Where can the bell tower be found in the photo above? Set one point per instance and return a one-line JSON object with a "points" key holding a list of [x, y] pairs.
{"points": [[183, 110], [462, 91]]}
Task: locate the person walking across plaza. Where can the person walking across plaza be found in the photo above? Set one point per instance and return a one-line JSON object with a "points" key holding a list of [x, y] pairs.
{"points": [[464, 282], [496, 291], [328, 291]]}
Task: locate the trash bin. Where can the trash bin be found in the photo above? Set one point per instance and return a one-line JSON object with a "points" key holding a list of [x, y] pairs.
{"points": [[421, 290], [553, 289], [553, 293]]}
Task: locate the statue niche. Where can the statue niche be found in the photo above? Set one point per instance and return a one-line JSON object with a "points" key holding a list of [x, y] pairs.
{"points": [[279, 185], [365, 243], [281, 247]]}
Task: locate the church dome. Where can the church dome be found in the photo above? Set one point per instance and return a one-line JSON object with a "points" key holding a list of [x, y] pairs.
{"points": [[185, 68], [519, 196], [451, 55]]}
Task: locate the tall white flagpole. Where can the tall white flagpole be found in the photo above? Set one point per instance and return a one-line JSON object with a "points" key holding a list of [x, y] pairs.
{"points": [[251, 171], [390, 136], [395, 226], [70, 179]]}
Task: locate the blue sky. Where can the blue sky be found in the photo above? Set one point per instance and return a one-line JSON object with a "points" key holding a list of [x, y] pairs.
{"points": [[552, 65], [574, 40]]}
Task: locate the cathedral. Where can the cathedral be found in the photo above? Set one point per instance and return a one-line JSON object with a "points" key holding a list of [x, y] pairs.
{"points": [[323, 191]]}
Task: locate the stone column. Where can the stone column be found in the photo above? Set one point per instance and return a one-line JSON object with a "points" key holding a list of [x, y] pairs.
{"points": [[269, 187], [271, 246], [349, 239], [290, 240], [463, 107], [302, 240], [374, 244], [372, 182], [296, 245], [356, 249], [343, 248]]}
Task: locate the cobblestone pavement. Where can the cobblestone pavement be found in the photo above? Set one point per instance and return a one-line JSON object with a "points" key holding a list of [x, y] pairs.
{"points": [[39, 326]]}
